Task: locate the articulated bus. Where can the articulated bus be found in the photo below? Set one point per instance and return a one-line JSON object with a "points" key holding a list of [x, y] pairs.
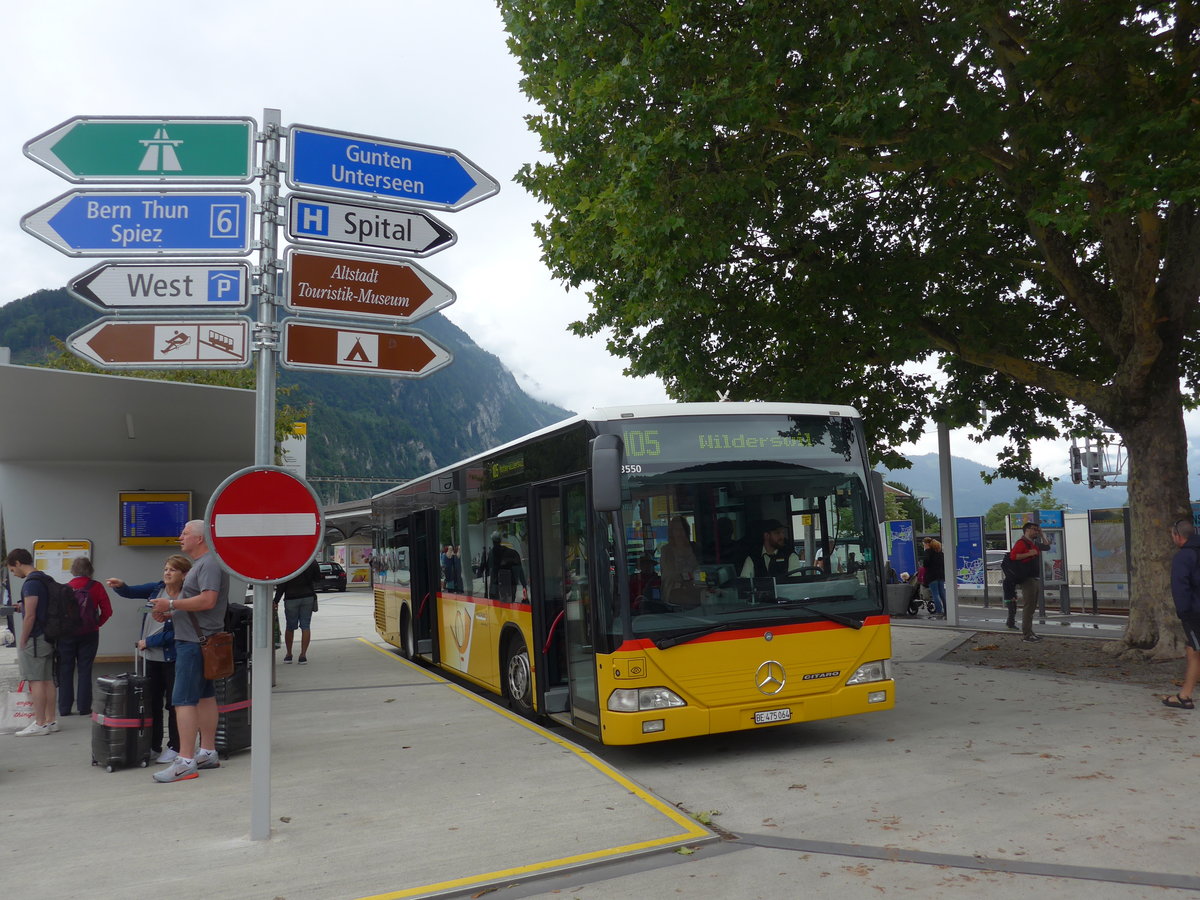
{"points": [[611, 574]]}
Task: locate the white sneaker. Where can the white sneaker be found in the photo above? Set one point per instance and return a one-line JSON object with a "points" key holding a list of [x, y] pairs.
{"points": [[177, 771], [33, 729], [208, 759], [168, 755], [53, 726]]}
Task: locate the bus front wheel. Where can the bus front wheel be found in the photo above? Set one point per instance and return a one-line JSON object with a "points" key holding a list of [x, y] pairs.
{"points": [[518, 679], [408, 638]]}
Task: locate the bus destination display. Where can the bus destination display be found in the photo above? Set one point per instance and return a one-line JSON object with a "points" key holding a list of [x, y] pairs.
{"points": [[153, 519], [655, 445]]}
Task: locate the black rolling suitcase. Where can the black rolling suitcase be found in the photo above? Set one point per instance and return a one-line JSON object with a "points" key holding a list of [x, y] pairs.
{"points": [[233, 711], [233, 693], [121, 727], [239, 621]]}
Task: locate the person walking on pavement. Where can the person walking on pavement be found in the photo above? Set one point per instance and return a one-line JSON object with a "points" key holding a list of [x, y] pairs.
{"points": [[1028, 553], [34, 653], [201, 607], [299, 595], [1185, 589]]}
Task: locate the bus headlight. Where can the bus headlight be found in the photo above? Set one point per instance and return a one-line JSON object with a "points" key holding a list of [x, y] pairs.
{"points": [[639, 699], [879, 670]]}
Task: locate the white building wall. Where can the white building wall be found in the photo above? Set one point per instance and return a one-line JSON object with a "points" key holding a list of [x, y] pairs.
{"points": [[66, 501]]}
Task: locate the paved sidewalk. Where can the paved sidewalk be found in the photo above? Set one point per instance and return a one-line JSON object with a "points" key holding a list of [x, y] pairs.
{"points": [[388, 781]]}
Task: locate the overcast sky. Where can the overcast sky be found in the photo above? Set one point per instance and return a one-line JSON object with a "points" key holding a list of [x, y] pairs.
{"points": [[433, 72]]}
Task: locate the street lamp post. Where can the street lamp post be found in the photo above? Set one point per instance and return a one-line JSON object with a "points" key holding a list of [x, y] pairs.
{"points": [[921, 498]]}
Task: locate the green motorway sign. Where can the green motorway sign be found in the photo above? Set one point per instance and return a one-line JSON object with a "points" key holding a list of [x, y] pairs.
{"points": [[106, 148]]}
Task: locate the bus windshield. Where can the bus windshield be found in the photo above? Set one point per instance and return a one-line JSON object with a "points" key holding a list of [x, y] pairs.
{"points": [[741, 521]]}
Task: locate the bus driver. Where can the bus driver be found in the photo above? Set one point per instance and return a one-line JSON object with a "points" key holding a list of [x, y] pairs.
{"points": [[771, 560]]}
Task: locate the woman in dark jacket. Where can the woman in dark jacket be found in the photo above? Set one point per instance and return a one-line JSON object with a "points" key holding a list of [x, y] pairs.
{"points": [[935, 575]]}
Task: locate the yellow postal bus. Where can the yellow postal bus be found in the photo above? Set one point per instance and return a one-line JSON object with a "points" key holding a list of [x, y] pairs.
{"points": [[648, 573]]}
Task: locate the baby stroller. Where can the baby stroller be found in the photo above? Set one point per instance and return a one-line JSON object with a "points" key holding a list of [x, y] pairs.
{"points": [[919, 596]]}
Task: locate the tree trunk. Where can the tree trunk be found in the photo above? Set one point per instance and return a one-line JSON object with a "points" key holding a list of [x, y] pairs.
{"points": [[1158, 496]]}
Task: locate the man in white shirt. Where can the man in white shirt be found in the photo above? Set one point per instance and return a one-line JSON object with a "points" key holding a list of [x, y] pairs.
{"points": [[772, 559]]}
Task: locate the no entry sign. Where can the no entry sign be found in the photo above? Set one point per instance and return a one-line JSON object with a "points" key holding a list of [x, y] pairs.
{"points": [[264, 524]]}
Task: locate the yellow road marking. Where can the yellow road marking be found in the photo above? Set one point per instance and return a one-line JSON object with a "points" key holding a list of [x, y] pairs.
{"points": [[692, 830]]}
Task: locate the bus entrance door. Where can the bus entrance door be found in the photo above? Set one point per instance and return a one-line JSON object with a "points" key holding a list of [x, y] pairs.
{"points": [[425, 567], [569, 660]]}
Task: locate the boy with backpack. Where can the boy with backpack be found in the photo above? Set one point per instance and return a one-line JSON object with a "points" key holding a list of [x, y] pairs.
{"points": [[35, 653]]}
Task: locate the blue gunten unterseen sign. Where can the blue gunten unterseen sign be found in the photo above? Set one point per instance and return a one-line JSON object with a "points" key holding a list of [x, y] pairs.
{"points": [[360, 166], [137, 223]]}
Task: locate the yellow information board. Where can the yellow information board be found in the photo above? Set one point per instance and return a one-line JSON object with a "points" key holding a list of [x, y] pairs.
{"points": [[55, 557]]}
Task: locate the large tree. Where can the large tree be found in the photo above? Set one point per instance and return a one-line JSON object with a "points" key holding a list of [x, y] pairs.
{"points": [[979, 213]]}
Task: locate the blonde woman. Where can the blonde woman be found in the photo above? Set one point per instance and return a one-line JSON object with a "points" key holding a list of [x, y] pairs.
{"points": [[677, 561], [935, 575], [157, 647]]}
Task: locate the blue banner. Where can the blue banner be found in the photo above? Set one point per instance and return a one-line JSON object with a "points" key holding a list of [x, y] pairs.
{"points": [[902, 552], [969, 551]]}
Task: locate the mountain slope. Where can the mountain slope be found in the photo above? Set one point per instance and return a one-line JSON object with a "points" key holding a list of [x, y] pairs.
{"points": [[361, 425], [972, 497]]}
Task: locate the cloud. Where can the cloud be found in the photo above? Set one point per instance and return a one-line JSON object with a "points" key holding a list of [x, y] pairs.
{"points": [[433, 72]]}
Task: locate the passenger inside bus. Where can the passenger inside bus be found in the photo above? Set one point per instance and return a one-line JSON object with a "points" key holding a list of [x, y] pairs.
{"points": [[726, 548], [645, 588], [679, 563], [503, 568], [733, 549]]}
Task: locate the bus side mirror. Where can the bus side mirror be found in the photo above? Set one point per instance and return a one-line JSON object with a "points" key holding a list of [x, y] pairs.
{"points": [[606, 473]]}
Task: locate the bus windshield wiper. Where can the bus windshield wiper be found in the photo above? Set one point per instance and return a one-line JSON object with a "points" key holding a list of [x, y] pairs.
{"points": [[856, 624], [849, 622], [677, 639]]}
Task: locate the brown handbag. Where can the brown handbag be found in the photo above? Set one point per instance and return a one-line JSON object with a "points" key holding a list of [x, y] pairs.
{"points": [[217, 650]]}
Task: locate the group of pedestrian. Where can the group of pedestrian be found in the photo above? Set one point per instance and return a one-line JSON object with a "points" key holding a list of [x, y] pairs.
{"points": [[1022, 571], [452, 570], [932, 574], [190, 601], [928, 583], [66, 661]]}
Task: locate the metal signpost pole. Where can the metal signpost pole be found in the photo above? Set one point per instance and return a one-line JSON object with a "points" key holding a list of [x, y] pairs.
{"points": [[949, 537], [264, 455]]}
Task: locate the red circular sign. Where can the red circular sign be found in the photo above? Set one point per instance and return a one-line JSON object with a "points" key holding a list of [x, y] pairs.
{"points": [[264, 524]]}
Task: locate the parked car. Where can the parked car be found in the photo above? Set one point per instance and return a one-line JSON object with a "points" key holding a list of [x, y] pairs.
{"points": [[994, 558], [333, 577]]}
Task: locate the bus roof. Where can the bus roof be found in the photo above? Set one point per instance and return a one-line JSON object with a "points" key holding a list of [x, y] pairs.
{"points": [[645, 411], [663, 410]]}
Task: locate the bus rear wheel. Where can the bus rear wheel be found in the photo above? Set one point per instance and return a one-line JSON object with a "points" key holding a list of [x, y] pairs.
{"points": [[518, 678]]}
